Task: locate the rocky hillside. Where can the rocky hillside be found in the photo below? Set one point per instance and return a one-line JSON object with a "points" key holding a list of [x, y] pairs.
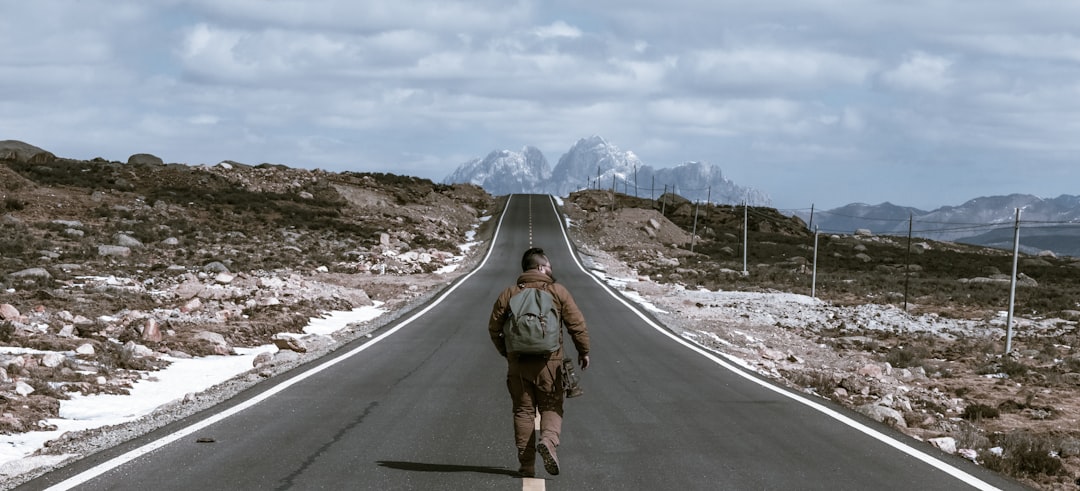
{"points": [[912, 335], [105, 267]]}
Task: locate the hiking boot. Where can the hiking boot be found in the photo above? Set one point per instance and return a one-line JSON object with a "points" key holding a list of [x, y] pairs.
{"points": [[547, 452], [574, 391], [527, 471]]}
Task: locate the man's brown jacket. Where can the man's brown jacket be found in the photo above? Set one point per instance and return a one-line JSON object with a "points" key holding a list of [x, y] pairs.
{"points": [[564, 303]]}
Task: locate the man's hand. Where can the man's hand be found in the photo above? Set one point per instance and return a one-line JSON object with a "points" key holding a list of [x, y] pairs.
{"points": [[583, 361]]}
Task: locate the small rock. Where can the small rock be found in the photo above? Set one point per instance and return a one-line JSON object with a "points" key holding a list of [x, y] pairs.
{"points": [[771, 354], [216, 267], [86, 349], [8, 312], [883, 414], [52, 360], [24, 389], [114, 250], [138, 350], [39, 273], [151, 331], [262, 359], [946, 444], [212, 337], [286, 356], [872, 370], [127, 240], [191, 305], [285, 341]]}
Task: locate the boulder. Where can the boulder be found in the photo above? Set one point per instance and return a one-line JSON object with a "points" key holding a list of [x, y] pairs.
{"points": [[24, 152], [32, 273], [114, 251], [262, 359], [883, 414], [68, 223], [189, 289], [127, 240], [221, 346], [52, 360], [216, 267], [138, 350], [8, 312], [24, 389], [145, 159], [946, 444], [151, 332], [286, 341]]}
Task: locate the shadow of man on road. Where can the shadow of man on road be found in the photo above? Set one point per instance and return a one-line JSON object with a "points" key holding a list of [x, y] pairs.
{"points": [[426, 467]]}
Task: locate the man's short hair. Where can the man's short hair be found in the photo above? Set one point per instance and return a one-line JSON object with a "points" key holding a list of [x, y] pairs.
{"points": [[533, 258]]}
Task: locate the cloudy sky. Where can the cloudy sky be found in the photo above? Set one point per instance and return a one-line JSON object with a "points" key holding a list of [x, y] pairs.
{"points": [[920, 103]]}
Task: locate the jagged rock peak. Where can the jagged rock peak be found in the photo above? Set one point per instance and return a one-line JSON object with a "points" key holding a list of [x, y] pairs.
{"points": [[505, 171], [589, 159], [595, 162]]}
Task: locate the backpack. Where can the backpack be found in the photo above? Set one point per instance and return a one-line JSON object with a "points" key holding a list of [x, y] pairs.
{"points": [[533, 327]]}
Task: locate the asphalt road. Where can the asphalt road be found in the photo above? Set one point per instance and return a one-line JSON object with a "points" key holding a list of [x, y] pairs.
{"points": [[423, 405]]}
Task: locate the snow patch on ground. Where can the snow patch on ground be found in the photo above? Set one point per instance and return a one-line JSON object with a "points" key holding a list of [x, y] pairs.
{"points": [[181, 377]]}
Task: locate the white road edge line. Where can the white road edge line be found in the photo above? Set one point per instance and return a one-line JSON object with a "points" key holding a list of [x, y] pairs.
{"points": [[918, 454], [115, 462]]}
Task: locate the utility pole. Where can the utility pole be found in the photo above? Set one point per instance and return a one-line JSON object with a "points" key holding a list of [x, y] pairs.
{"points": [[708, 201], [745, 222], [663, 201], [1012, 285], [693, 234], [907, 259], [813, 276]]}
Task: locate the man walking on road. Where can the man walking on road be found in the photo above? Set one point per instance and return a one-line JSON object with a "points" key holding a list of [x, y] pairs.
{"points": [[535, 381]]}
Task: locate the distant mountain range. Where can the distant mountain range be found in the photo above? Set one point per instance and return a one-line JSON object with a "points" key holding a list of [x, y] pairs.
{"points": [[595, 163], [1045, 224]]}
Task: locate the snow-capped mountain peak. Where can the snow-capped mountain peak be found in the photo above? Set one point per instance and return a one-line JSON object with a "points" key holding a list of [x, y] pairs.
{"points": [[594, 162]]}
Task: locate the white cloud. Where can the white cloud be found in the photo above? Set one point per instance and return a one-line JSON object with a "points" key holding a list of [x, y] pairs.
{"points": [[367, 16], [921, 72], [772, 68], [204, 119], [1057, 46], [320, 82], [558, 29]]}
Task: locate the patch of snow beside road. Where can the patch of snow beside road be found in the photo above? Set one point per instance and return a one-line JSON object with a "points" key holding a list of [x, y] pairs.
{"points": [[181, 377]]}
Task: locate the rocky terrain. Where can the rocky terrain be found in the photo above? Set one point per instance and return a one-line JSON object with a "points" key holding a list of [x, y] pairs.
{"points": [[936, 371], [109, 268]]}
